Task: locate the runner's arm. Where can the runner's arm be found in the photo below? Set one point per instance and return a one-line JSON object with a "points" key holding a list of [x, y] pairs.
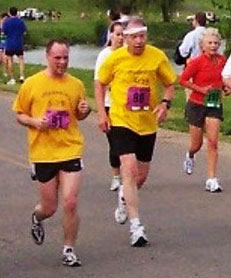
{"points": [[100, 90], [25, 120], [83, 110], [162, 108]]}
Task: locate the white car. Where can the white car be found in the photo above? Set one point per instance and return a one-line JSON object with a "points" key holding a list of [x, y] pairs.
{"points": [[31, 14]]}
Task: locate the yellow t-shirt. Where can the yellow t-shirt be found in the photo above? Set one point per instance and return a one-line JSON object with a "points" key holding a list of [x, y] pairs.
{"points": [[37, 95], [131, 76]]}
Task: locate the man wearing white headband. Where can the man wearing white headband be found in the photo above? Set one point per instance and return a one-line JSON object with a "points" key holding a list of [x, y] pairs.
{"points": [[133, 72]]}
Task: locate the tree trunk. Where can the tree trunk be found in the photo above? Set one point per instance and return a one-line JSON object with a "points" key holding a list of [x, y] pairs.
{"points": [[165, 10]]}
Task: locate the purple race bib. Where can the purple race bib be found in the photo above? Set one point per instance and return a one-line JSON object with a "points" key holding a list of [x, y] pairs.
{"points": [[138, 98], [58, 119]]}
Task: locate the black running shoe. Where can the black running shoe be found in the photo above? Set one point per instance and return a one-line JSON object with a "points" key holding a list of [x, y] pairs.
{"points": [[70, 259], [37, 231]]}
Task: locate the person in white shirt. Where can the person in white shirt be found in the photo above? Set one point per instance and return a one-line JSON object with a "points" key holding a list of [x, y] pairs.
{"points": [[190, 44], [115, 41]]}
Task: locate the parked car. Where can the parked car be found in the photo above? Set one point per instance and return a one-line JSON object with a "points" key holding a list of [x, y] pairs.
{"points": [[31, 14]]}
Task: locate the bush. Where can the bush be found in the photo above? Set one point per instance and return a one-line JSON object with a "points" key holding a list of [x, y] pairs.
{"points": [[167, 34]]}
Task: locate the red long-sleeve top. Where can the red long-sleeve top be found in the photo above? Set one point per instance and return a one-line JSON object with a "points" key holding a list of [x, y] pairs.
{"points": [[203, 72]]}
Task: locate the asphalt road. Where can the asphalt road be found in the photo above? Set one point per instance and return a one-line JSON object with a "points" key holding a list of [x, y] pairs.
{"points": [[189, 229]]}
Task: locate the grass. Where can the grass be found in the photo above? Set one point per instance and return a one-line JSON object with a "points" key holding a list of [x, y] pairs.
{"points": [[89, 29]]}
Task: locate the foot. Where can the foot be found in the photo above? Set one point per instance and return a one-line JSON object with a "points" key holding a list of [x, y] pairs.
{"points": [[37, 230], [213, 185], [189, 164], [21, 79], [11, 82], [70, 259], [138, 236], [33, 173], [121, 211], [115, 183]]}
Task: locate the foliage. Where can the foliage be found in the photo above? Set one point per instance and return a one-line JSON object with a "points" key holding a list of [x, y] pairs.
{"points": [[225, 25]]}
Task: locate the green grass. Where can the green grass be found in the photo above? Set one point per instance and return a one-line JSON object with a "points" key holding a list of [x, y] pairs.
{"points": [[88, 30]]}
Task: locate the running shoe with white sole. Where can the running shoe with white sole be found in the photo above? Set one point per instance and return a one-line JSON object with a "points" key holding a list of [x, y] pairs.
{"points": [[37, 231], [188, 164], [138, 236], [115, 183], [121, 211], [70, 259], [11, 82], [213, 185], [21, 79]]}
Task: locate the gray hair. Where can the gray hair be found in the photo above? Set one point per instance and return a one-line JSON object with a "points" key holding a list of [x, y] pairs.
{"points": [[210, 32], [136, 20]]}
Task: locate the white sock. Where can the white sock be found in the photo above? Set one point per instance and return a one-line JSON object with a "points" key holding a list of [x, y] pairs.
{"points": [[135, 222], [66, 247]]}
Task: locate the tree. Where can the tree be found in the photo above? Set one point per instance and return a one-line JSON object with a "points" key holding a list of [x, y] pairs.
{"points": [[167, 7], [225, 25]]}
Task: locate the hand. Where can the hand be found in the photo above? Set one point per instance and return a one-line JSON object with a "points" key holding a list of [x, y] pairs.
{"points": [[206, 90], [161, 112], [40, 124], [104, 123], [83, 106], [226, 91]]}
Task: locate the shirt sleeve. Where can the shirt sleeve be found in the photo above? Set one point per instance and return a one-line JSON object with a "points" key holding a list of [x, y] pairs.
{"points": [[23, 101], [106, 71], [99, 61], [165, 72], [226, 72], [190, 71], [186, 46]]}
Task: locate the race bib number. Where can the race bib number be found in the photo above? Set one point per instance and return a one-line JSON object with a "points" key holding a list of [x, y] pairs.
{"points": [[58, 119], [138, 98], [213, 99]]}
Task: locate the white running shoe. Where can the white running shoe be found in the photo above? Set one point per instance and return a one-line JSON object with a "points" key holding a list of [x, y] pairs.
{"points": [[188, 164], [11, 82], [138, 236], [121, 211], [70, 259], [213, 185], [115, 183], [21, 79]]}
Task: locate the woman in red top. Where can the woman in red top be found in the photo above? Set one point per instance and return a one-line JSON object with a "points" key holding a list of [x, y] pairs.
{"points": [[204, 107]]}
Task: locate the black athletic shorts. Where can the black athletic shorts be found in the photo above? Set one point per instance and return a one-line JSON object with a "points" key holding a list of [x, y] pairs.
{"points": [[125, 141], [195, 114], [14, 52], [47, 171]]}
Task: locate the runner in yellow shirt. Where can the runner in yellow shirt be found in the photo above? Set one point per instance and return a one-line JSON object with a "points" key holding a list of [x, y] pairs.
{"points": [[133, 72], [49, 104]]}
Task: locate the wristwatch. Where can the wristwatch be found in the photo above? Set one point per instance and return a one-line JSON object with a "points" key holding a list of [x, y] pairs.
{"points": [[167, 101]]}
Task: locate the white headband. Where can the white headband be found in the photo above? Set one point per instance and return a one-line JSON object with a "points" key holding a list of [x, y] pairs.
{"points": [[135, 30]]}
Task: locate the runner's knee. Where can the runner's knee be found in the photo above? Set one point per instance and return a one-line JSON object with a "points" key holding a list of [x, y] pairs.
{"points": [[212, 144], [70, 204]]}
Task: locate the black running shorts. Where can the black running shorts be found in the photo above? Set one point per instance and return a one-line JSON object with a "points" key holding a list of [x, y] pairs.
{"points": [[47, 171], [126, 141], [195, 114]]}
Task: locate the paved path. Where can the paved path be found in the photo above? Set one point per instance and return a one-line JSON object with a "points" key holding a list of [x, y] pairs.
{"points": [[189, 229]]}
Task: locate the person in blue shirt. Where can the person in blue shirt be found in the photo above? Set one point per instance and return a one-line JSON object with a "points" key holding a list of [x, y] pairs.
{"points": [[14, 28]]}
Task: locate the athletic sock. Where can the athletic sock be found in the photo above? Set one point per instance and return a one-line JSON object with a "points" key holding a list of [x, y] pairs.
{"points": [[67, 247], [135, 222]]}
